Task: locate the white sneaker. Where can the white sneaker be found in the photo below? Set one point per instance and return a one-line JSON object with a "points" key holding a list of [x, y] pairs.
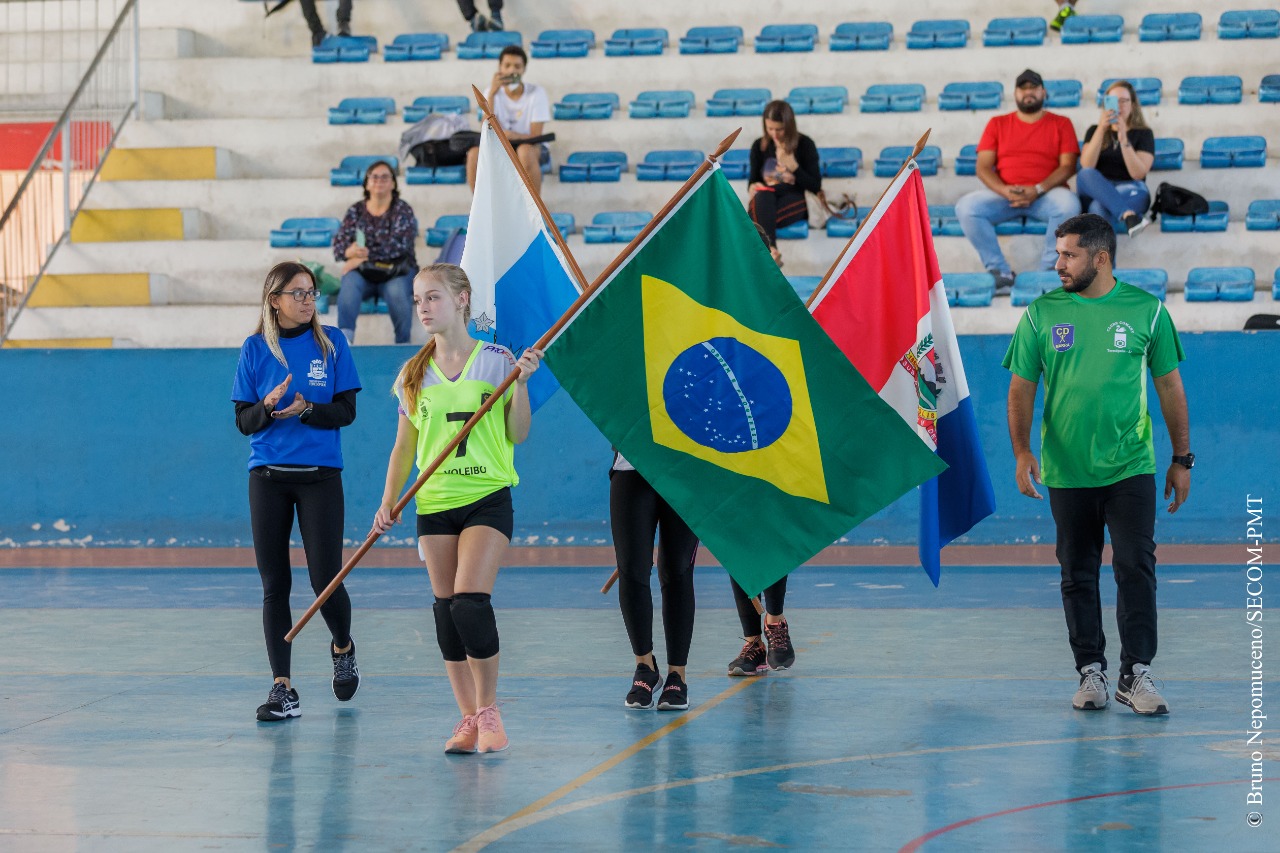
{"points": [[1139, 692], [1091, 695]]}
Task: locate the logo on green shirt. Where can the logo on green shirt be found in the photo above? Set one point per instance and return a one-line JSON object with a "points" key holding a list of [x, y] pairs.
{"points": [[1064, 336]]}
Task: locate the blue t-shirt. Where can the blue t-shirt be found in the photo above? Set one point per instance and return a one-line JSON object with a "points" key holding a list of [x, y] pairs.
{"points": [[290, 441]]}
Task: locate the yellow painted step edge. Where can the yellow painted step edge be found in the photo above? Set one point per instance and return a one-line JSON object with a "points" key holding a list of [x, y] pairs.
{"points": [[94, 290], [59, 343], [161, 164], [127, 225]]}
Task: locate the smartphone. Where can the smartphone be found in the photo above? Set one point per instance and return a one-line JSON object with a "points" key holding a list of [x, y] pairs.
{"points": [[1111, 103], [511, 79], [360, 237]]}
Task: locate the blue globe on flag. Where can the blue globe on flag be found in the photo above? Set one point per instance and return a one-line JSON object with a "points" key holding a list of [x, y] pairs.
{"points": [[725, 395]]}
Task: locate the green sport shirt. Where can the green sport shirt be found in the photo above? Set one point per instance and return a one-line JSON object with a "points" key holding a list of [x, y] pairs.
{"points": [[485, 461], [1094, 355]]}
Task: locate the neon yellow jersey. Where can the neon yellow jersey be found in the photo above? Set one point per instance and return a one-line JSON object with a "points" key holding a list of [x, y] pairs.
{"points": [[485, 461]]}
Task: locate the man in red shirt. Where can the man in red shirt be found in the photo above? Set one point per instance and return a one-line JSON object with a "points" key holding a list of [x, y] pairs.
{"points": [[1025, 159]]}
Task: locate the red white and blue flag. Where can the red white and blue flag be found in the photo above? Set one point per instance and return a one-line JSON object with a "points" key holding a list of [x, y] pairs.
{"points": [[884, 305]]}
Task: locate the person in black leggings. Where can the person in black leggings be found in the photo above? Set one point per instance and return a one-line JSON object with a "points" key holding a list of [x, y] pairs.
{"points": [[755, 659], [295, 465], [638, 513]]}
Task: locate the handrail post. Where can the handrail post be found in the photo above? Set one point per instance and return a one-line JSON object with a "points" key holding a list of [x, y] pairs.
{"points": [[66, 177], [137, 64]]}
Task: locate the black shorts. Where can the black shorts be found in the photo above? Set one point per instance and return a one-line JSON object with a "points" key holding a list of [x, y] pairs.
{"points": [[492, 510]]}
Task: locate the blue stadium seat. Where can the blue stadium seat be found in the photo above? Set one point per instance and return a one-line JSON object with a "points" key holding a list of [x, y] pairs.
{"points": [[350, 172], [967, 160], [794, 231], [1275, 285], [667, 103], [427, 104], [562, 43], [673, 165], [893, 156], [870, 35], [738, 102], [344, 49], [1250, 24], [615, 226], [362, 111], [1061, 94], [1215, 220], [1180, 26], [1153, 281], [565, 223], [818, 99], [488, 45], [804, 285], [309, 231], [445, 225], [1168, 154], [1233, 152], [1006, 32], [971, 96], [586, 105], [788, 38], [736, 164], [593, 167], [1269, 90], [1028, 286], [845, 227], [892, 97], [1092, 29], [415, 47], [422, 175], [943, 222], [1220, 89], [711, 40], [1149, 89], [941, 33], [969, 289], [1221, 284], [1263, 215], [840, 162], [645, 41]]}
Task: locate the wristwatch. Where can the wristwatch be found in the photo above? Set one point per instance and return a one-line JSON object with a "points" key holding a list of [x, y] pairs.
{"points": [[1188, 461], [1039, 190], [306, 413]]}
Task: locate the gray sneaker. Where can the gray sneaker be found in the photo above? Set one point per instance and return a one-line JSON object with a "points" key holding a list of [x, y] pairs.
{"points": [[1004, 282], [1139, 692], [1091, 695]]}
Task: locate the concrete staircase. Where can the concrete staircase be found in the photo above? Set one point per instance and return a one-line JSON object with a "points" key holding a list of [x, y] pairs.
{"points": [[173, 247]]}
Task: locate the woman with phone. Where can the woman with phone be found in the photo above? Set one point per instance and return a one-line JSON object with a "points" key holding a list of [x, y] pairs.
{"points": [[784, 166], [375, 247], [1117, 154]]}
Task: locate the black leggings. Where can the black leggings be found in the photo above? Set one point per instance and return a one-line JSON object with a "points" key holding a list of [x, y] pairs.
{"points": [[781, 207], [637, 513], [317, 497], [313, 19], [775, 597]]}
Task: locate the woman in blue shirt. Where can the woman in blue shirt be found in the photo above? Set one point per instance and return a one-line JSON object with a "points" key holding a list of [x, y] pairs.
{"points": [[295, 387]]}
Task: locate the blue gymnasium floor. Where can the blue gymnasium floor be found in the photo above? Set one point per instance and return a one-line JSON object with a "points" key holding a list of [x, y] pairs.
{"points": [[915, 719]]}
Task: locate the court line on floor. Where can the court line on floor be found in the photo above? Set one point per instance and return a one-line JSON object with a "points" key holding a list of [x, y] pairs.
{"points": [[528, 817], [916, 843]]}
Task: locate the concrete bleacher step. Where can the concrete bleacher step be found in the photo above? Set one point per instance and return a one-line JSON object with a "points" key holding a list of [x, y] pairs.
{"points": [[77, 290], [127, 225], [192, 163]]}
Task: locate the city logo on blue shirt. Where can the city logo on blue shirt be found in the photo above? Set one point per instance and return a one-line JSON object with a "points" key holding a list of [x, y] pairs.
{"points": [[1064, 337], [317, 374]]}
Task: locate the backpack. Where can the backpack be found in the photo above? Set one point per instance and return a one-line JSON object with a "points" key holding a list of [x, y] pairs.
{"points": [[1176, 201], [428, 140]]}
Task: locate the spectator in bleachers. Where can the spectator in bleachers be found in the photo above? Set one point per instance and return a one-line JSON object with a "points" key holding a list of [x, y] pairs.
{"points": [[1117, 154], [1025, 159], [375, 246], [522, 109], [784, 165], [318, 32], [480, 22], [1066, 8]]}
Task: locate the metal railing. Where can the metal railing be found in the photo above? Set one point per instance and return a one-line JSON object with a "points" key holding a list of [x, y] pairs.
{"points": [[37, 219]]}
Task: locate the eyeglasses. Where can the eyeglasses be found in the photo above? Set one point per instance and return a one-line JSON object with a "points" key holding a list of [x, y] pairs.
{"points": [[300, 295], [380, 176]]}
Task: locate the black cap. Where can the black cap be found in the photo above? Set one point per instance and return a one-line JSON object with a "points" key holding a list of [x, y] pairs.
{"points": [[1029, 78]]}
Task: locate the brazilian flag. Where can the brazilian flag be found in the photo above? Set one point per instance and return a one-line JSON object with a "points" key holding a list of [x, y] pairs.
{"points": [[697, 360]]}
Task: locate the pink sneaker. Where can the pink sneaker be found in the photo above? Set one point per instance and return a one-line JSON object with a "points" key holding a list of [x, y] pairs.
{"points": [[493, 737], [463, 741]]}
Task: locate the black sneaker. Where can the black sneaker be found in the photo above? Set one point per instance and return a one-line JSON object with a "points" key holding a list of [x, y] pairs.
{"points": [[495, 23], [781, 653], [282, 703], [1004, 282], [318, 36], [675, 695], [344, 29], [346, 675], [479, 23], [642, 686], [751, 660]]}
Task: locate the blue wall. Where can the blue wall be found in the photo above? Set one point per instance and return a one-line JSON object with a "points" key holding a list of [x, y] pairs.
{"points": [[139, 447]]}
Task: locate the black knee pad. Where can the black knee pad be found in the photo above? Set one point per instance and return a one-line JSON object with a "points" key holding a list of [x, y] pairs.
{"points": [[447, 633], [473, 614]]}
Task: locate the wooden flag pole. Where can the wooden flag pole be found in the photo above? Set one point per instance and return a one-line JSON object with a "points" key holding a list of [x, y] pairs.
{"points": [[608, 585], [542, 343], [920, 143]]}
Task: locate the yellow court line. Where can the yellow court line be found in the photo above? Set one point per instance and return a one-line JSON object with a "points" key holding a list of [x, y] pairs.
{"points": [[525, 818]]}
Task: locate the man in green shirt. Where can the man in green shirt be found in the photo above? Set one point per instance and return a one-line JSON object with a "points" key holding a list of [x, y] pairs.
{"points": [[1093, 341]]}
